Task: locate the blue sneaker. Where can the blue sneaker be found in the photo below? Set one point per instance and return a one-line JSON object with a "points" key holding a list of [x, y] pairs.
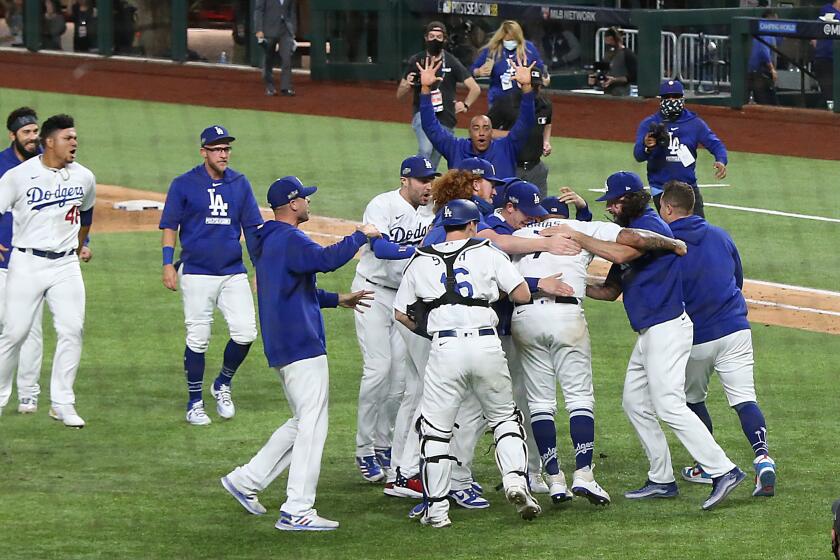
{"points": [[370, 469], [417, 511], [654, 490], [309, 522], [477, 488], [765, 476], [468, 498], [722, 486], [696, 474], [383, 457]]}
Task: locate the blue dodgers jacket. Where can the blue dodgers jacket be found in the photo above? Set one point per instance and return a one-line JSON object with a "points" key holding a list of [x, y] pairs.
{"points": [[652, 284], [504, 66], [289, 299], [663, 164], [712, 280], [502, 152]]}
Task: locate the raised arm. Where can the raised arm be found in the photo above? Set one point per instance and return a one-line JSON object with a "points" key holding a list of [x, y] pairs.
{"points": [[306, 257], [443, 140], [527, 118]]}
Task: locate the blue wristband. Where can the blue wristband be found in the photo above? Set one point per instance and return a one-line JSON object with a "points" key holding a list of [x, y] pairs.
{"points": [[168, 255]]}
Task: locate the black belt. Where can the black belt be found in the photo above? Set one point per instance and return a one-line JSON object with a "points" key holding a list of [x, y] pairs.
{"points": [[526, 165], [557, 299], [379, 285], [46, 254], [481, 332]]}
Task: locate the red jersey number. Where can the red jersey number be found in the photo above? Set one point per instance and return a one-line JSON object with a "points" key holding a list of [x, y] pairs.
{"points": [[72, 215]]}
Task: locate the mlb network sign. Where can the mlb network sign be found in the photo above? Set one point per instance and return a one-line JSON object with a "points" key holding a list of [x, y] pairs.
{"points": [[468, 8]]}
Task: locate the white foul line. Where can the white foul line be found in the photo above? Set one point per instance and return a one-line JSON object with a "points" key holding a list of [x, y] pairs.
{"points": [[793, 307], [773, 212]]}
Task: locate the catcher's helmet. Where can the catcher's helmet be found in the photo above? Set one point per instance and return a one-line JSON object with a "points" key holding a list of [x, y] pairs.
{"points": [[459, 212]]}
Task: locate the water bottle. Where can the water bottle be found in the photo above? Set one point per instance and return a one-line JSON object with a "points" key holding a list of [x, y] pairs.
{"points": [[223, 58]]}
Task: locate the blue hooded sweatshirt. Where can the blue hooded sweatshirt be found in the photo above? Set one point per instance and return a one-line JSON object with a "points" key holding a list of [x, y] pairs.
{"points": [[712, 279], [289, 299], [663, 164]]}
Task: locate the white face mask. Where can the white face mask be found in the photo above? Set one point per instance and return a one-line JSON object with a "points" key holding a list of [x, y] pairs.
{"points": [[510, 45]]}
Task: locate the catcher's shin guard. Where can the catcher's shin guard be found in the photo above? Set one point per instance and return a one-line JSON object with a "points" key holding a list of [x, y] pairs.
{"points": [[435, 466], [511, 451]]}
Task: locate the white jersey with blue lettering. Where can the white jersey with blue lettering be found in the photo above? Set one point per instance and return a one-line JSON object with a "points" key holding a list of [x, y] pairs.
{"points": [[46, 202], [403, 224], [573, 268], [481, 272]]}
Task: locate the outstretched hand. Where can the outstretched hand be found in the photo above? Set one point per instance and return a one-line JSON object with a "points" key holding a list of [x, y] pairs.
{"points": [[720, 170], [428, 72], [356, 300], [522, 73]]}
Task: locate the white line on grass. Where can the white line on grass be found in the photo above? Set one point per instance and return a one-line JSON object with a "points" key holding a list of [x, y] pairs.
{"points": [[793, 307], [773, 212]]}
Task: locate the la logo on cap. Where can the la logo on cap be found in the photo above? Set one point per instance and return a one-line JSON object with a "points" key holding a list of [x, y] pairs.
{"points": [[536, 198], [219, 130], [427, 163], [447, 212]]}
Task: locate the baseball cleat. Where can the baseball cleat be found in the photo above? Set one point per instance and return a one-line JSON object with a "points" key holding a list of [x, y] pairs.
{"points": [[67, 413], [224, 404], [249, 501], [417, 511], [370, 469], [404, 487], [383, 457], [309, 522], [196, 415], [477, 488], [696, 474], [722, 486], [765, 476], [557, 488], [584, 486], [28, 405], [654, 490], [537, 484], [525, 504], [468, 498]]}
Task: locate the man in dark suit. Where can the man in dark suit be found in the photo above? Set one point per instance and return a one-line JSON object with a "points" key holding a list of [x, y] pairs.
{"points": [[275, 23]]}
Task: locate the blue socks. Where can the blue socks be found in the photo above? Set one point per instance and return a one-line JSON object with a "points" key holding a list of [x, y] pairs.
{"points": [[234, 356], [582, 432], [754, 426], [545, 435], [194, 370], [702, 413]]}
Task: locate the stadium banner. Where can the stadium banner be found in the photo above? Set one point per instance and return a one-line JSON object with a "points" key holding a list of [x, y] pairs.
{"points": [[522, 11], [829, 29]]}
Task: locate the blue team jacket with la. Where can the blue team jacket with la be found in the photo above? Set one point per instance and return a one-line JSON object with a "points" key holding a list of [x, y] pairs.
{"points": [[289, 299], [211, 214], [505, 66], [712, 280], [663, 164], [8, 160], [652, 284], [502, 152]]}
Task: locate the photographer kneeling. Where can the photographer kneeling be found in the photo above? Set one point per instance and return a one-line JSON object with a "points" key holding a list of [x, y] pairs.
{"points": [[617, 70], [668, 141]]}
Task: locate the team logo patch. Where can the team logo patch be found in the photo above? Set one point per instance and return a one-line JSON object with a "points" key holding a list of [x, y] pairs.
{"points": [[293, 194], [536, 198], [406, 170], [513, 199], [427, 163], [447, 212], [478, 171]]}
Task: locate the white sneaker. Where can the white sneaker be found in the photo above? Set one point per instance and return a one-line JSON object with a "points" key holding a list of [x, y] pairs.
{"points": [[525, 504], [196, 415], [67, 413], [309, 522], [557, 488], [249, 501], [436, 522], [584, 486], [537, 483], [28, 405], [224, 404]]}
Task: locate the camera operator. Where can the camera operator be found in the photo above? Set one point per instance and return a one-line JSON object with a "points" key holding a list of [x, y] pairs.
{"points": [[621, 72], [668, 141]]}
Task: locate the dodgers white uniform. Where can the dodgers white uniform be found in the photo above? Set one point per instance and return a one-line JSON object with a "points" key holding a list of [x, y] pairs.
{"points": [[466, 354], [45, 203], [552, 338], [383, 348]]}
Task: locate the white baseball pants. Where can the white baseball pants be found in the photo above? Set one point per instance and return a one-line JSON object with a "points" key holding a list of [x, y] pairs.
{"points": [[32, 351], [456, 365], [520, 397], [383, 374], [655, 387], [299, 443], [30, 281], [231, 294], [732, 357]]}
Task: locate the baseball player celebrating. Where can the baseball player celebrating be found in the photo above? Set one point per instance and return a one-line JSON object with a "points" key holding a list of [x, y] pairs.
{"points": [[655, 382], [405, 215], [23, 133], [453, 284], [208, 208], [51, 198], [287, 261], [712, 281]]}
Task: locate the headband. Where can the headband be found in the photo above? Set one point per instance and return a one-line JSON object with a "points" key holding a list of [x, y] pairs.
{"points": [[21, 121]]}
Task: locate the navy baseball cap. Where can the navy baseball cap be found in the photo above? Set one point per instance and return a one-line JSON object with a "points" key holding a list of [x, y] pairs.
{"points": [[671, 87], [553, 205], [526, 197], [419, 167], [480, 167], [284, 190], [620, 183], [214, 134]]}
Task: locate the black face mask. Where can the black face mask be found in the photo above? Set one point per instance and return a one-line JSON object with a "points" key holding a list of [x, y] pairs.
{"points": [[671, 108], [434, 47]]}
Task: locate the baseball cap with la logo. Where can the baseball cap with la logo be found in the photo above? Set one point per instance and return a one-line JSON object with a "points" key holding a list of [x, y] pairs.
{"points": [[215, 134], [417, 166], [620, 183], [285, 189], [526, 197]]}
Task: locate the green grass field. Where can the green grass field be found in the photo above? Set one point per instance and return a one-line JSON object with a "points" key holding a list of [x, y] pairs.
{"points": [[138, 482]]}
